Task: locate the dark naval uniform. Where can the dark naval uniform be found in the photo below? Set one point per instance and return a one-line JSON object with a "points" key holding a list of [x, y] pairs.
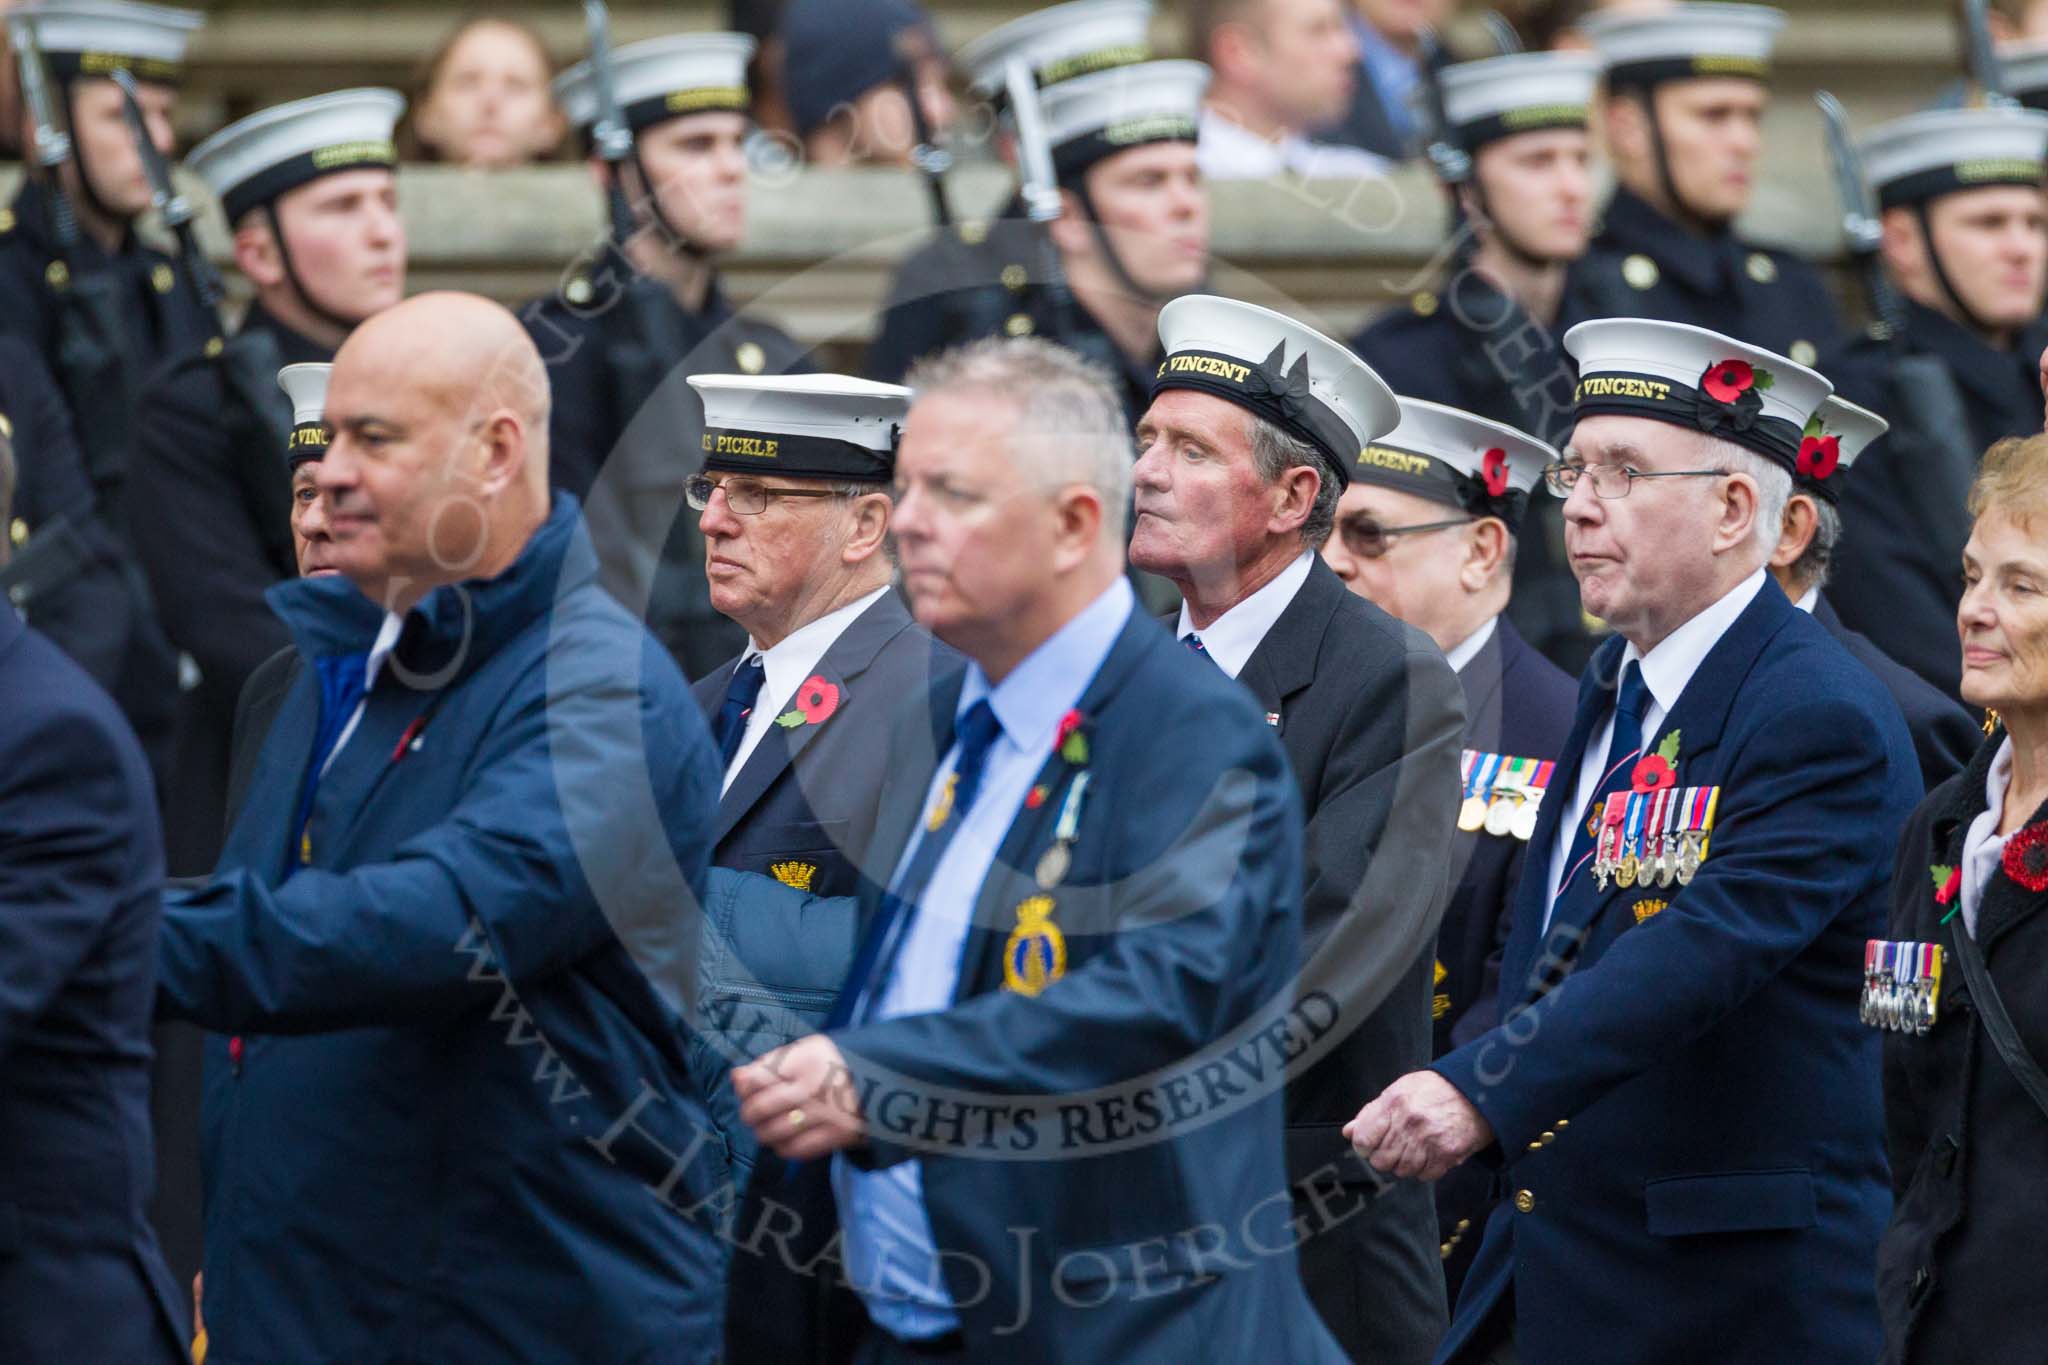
{"points": [[212, 473], [67, 577], [156, 320], [1646, 266], [1969, 1147], [1899, 572], [985, 284], [1518, 705], [1943, 734], [623, 434], [1475, 349]]}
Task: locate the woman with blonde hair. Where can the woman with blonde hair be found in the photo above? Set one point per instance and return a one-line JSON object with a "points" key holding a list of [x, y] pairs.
{"points": [[1958, 988]]}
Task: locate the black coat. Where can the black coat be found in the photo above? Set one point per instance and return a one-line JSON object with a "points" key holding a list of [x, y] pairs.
{"points": [[1899, 573], [986, 282], [1944, 736], [1520, 705], [213, 475], [84, 604], [625, 443], [1641, 264], [1473, 348], [1371, 719], [1959, 1277], [157, 318], [81, 872]]}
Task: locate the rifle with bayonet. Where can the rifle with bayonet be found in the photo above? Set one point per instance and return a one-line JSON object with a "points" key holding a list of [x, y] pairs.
{"points": [[259, 420], [1039, 190], [90, 360], [639, 355], [1982, 55], [930, 159]]}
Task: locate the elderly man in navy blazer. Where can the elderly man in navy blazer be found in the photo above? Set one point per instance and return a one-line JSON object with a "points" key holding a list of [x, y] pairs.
{"points": [[1686, 1113], [81, 874], [1254, 429], [794, 508], [1427, 530], [1039, 1153]]}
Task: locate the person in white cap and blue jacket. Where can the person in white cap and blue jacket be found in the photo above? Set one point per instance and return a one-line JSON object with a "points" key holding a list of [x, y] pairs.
{"points": [[1485, 339], [1966, 246], [1687, 86], [1255, 428], [1678, 1094], [622, 409], [310, 192]]}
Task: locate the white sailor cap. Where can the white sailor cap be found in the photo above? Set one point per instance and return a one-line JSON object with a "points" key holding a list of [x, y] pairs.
{"points": [[1922, 156], [1061, 42], [306, 386], [1447, 455], [1645, 47], [809, 426], [1276, 368], [1524, 92], [664, 78], [2024, 64], [1833, 438], [1094, 116], [1697, 379], [252, 161], [100, 37]]}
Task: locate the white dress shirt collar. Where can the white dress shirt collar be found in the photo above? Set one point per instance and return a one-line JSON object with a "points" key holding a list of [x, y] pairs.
{"points": [[1809, 599], [1983, 845], [1467, 649], [786, 664], [1670, 666], [1231, 637]]}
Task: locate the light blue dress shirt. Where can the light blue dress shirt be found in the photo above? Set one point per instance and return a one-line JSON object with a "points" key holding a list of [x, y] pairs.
{"points": [[891, 1255]]}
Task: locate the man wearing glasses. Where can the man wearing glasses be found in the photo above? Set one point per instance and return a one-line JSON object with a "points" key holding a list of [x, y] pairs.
{"points": [[1677, 1094], [1253, 431], [1451, 576], [795, 511]]}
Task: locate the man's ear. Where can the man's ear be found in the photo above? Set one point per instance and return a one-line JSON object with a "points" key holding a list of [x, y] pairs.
{"points": [[871, 517], [1802, 520], [256, 252], [1486, 546], [1740, 503], [1070, 231]]}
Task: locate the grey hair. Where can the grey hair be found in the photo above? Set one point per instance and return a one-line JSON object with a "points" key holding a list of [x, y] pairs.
{"points": [[1070, 424], [1274, 452], [1773, 486], [1816, 565]]}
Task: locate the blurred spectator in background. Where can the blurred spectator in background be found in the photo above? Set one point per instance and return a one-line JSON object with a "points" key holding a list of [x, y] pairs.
{"points": [[1282, 68], [483, 100], [1390, 34], [865, 80]]}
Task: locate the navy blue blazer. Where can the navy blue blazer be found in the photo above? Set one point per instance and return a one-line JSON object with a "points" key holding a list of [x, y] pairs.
{"points": [[1944, 736], [1117, 1224], [1685, 1104], [805, 799], [803, 810], [81, 874]]}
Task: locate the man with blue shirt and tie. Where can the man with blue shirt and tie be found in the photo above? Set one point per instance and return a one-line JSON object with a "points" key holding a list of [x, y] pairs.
{"points": [[1679, 1093], [1098, 896]]}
